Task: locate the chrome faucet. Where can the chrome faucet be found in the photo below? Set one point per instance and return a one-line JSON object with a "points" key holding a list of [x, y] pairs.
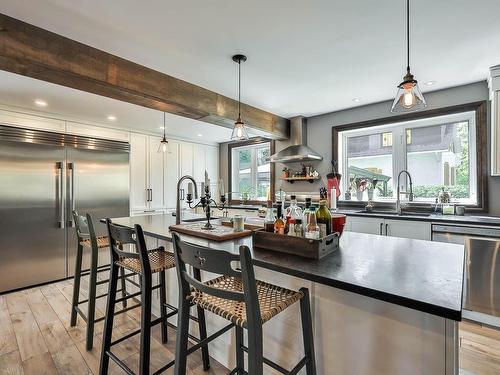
{"points": [[399, 192], [178, 204]]}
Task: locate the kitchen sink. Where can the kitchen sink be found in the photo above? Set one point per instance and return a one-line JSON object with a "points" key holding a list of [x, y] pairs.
{"points": [[394, 213]]}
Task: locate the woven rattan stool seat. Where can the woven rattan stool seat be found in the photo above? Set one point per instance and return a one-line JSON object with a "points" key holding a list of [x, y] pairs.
{"points": [[102, 241], [272, 300], [159, 259]]}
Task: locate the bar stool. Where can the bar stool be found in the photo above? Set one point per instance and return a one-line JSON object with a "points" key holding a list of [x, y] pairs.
{"points": [[144, 262], [238, 297], [87, 240]]}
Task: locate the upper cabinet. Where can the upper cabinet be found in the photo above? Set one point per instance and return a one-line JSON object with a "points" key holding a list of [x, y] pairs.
{"points": [[494, 83], [154, 175]]}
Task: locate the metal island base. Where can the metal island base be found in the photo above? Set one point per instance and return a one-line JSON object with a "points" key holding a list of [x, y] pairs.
{"points": [[380, 305]]}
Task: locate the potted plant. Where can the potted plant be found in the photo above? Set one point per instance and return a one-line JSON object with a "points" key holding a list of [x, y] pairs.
{"points": [[245, 194], [286, 172]]}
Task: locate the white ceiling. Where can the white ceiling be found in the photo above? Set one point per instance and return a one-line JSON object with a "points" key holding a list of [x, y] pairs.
{"points": [[304, 57]]}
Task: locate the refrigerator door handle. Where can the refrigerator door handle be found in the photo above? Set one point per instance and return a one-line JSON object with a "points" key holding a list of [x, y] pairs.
{"points": [[71, 208], [60, 192]]}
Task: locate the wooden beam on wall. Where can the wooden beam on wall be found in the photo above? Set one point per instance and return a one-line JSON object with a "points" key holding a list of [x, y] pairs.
{"points": [[34, 52]]}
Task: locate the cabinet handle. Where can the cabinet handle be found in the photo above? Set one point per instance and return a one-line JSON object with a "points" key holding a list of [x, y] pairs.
{"points": [[381, 225], [386, 229], [150, 195]]}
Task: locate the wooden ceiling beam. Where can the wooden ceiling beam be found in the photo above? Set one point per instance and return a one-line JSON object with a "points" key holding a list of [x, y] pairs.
{"points": [[34, 52]]}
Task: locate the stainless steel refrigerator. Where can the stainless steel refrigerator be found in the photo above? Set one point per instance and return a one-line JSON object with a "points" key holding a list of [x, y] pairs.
{"points": [[43, 177]]}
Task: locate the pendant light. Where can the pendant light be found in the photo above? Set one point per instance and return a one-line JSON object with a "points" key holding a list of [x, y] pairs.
{"points": [[409, 97], [239, 132], [163, 147]]}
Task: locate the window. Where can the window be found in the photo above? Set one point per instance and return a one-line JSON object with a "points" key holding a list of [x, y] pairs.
{"points": [[439, 152], [250, 171]]}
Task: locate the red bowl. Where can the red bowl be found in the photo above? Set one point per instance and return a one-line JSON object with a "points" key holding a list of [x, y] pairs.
{"points": [[338, 223]]}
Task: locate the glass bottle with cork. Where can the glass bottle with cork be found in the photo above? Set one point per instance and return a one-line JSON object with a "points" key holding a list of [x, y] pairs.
{"points": [[269, 219]]}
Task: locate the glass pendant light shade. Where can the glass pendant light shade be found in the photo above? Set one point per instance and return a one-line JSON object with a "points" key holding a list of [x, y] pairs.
{"points": [[239, 132], [164, 147], [409, 97]]}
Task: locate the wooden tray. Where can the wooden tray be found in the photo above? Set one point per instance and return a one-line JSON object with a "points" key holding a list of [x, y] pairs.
{"points": [[304, 247], [219, 233], [228, 223]]}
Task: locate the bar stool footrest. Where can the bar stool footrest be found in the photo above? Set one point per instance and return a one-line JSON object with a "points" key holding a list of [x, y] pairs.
{"points": [[278, 368], [119, 362]]}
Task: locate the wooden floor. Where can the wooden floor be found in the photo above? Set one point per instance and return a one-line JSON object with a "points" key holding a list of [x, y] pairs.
{"points": [[36, 338], [479, 350]]}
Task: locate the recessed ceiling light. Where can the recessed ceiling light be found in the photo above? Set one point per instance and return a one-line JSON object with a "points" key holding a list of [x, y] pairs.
{"points": [[430, 83], [111, 117], [200, 135], [41, 103], [356, 100]]}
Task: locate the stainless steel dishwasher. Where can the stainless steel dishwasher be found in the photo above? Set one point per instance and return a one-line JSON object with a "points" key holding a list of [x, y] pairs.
{"points": [[482, 268]]}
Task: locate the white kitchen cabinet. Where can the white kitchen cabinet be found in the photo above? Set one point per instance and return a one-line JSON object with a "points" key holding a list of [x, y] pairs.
{"points": [[494, 83], [362, 224], [172, 174], [139, 183], [146, 173], [420, 230], [154, 175]]}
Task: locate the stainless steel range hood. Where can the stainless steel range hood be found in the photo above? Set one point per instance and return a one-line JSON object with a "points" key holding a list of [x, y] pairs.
{"points": [[298, 151]]}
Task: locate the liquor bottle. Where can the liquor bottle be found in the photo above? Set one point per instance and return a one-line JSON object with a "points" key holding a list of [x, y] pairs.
{"points": [[269, 219], [293, 213], [298, 228], [279, 224], [311, 226], [306, 213], [324, 219]]}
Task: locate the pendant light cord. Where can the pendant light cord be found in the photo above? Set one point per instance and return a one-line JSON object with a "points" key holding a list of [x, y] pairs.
{"points": [[164, 126], [239, 88], [408, 34]]}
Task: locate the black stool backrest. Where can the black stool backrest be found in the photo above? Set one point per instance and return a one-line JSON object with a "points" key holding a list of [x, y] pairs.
{"points": [[119, 236], [81, 226], [219, 262]]}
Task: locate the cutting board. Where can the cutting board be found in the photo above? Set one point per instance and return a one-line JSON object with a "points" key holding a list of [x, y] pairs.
{"points": [[219, 233]]}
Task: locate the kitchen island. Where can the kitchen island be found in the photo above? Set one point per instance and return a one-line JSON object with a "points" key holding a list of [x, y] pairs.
{"points": [[381, 305]]}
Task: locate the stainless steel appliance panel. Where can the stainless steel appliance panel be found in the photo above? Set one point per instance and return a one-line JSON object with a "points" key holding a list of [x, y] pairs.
{"points": [[482, 268], [32, 234], [97, 183]]}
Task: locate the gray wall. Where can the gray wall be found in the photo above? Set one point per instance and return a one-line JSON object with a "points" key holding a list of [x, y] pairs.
{"points": [[320, 135]]}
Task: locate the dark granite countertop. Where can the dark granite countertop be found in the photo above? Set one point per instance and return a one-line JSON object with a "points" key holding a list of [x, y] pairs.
{"points": [[421, 275], [434, 217]]}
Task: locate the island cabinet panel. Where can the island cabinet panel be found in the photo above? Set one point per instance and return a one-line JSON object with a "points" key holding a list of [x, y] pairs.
{"points": [[358, 335]]}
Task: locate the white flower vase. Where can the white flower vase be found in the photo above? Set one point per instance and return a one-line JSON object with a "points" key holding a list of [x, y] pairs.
{"points": [[359, 195]]}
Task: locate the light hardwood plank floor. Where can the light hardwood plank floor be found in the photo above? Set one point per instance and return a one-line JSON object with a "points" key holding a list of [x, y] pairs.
{"points": [[36, 338]]}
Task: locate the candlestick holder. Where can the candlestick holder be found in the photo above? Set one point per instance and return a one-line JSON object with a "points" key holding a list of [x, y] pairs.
{"points": [[206, 202]]}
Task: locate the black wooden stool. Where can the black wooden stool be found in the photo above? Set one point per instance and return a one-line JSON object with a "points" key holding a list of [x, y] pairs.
{"points": [[87, 240], [238, 297], [143, 262]]}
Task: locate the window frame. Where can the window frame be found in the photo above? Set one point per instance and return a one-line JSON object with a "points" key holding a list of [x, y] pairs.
{"points": [[252, 142], [479, 158]]}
